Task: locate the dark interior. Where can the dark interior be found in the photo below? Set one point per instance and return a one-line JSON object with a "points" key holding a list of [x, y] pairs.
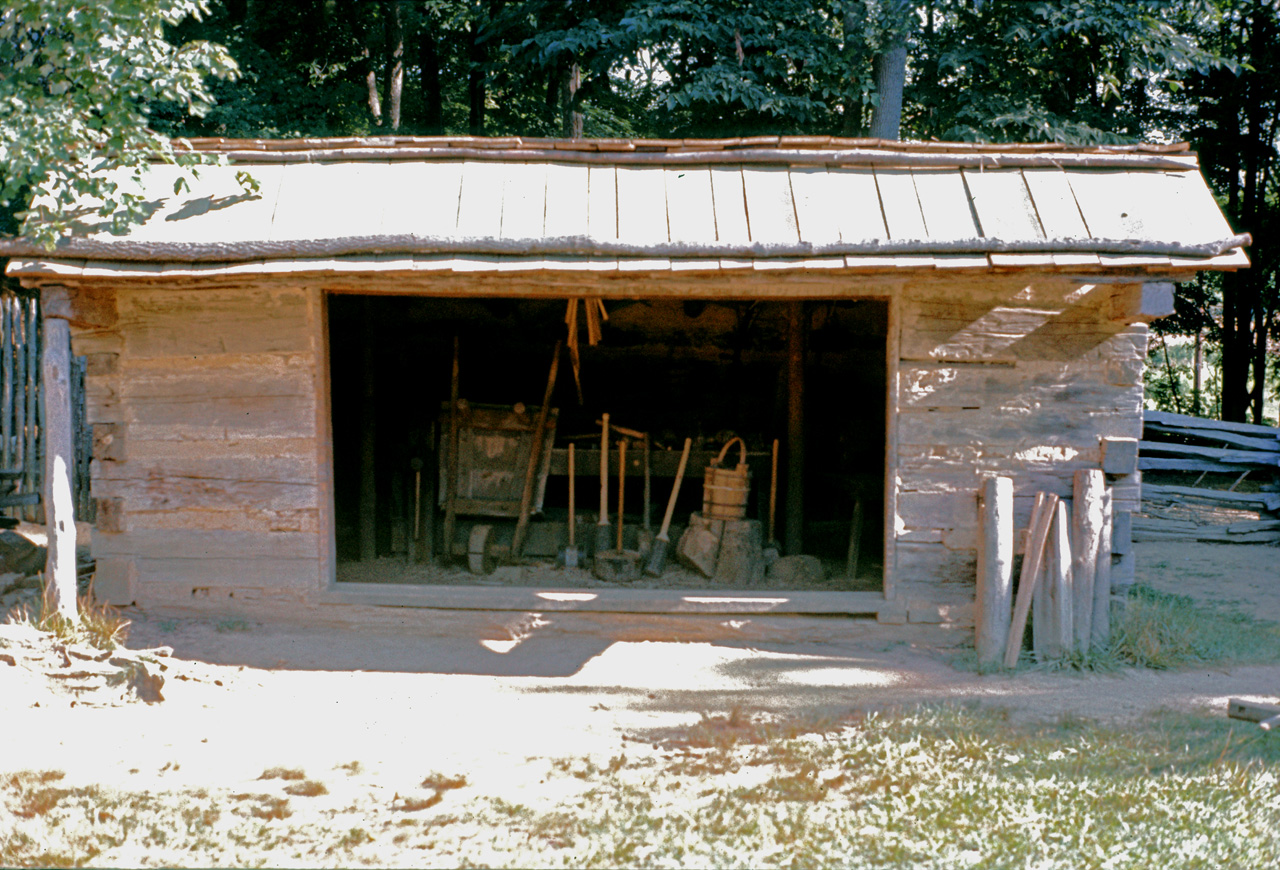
{"points": [[705, 370]]}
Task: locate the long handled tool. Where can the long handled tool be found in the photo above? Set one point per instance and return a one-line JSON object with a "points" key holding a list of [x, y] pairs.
{"points": [[619, 565], [602, 527], [658, 556], [535, 457], [771, 547], [571, 552], [451, 482]]}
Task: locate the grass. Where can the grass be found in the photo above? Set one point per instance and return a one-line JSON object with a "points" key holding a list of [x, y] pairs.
{"points": [[933, 787], [98, 625], [1162, 631]]}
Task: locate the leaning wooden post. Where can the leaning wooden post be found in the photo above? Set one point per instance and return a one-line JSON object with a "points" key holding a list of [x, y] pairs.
{"points": [[1088, 489], [59, 459], [995, 570]]}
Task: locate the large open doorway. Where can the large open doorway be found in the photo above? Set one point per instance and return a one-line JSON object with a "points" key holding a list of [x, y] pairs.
{"points": [[704, 370]]}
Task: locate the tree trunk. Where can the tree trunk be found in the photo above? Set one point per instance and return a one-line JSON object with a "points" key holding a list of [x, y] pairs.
{"points": [[432, 98], [370, 53], [1237, 345], [395, 60], [476, 80], [890, 71], [572, 120]]}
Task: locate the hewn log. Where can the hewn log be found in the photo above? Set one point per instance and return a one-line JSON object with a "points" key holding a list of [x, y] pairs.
{"points": [[59, 459], [995, 570], [1086, 523], [1061, 632], [1100, 637], [586, 246]]}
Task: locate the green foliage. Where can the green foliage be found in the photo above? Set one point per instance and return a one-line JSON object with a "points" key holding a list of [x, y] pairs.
{"points": [[78, 82]]}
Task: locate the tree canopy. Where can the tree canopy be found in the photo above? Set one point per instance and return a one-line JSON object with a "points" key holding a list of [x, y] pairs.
{"points": [[87, 87], [78, 84]]}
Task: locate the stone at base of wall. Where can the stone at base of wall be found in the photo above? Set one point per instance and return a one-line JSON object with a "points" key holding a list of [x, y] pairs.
{"points": [[115, 581]]}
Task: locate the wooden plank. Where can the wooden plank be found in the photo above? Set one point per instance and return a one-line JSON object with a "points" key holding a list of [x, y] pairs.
{"points": [[215, 209], [730, 205], [1086, 525], [207, 544], [1153, 206], [567, 199], [900, 204], [524, 201], [944, 203], [1060, 588], [1267, 501], [642, 205], [173, 491], [479, 204], [59, 460], [1055, 206], [191, 574], [602, 203], [691, 213], [1041, 518], [1156, 463], [1003, 204], [1100, 638], [994, 594], [857, 202], [422, 201], [771, 211], [1252, 711], [817, 210], [1219, 436], [1166, 418], [1217, 454]]}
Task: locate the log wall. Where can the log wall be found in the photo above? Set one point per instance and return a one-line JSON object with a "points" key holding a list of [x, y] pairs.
{"points": [[1012, 377], [207, 466], [211, 465]]}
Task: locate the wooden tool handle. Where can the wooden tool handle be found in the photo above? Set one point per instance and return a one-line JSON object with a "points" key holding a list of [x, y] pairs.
{"points": [[675, 490], [535, 455], [604, 470], [621, 430], [622, 481], [573, 480], [773, 490]]}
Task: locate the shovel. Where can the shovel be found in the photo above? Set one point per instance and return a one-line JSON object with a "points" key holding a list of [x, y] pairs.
{"points": [[570, 555], [602, 527], [658, 555], [619, 565]]}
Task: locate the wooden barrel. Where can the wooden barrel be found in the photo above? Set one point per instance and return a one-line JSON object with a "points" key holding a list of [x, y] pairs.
{"points": [[725, 490]]}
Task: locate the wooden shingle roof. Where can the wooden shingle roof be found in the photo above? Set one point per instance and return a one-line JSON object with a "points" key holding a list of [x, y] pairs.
{"points": [[800, 202]]}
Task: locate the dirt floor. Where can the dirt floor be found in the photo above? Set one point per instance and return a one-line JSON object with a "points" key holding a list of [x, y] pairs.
{"points": [[499, 698]]}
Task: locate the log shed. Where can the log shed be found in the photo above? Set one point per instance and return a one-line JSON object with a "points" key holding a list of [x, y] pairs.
{"points": [[268, 372]]}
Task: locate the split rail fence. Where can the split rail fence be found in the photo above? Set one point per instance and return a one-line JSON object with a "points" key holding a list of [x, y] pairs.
{"points": [[1208, 480], [21, 410]]}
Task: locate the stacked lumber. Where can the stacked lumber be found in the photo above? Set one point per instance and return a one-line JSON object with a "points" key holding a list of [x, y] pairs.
{"points": [[1235, 498], [1065, 583]]}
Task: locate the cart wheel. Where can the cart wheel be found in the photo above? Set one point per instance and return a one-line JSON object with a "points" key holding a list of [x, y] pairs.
{"points": [[480, 557]]}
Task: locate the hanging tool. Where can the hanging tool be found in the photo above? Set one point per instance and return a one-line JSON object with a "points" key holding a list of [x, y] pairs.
{"points": [[570, 555], [602, 527], [535, 457], [658, 555], [646, 532]]}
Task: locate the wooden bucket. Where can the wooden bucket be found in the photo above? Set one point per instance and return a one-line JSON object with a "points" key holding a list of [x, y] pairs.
{"points": [[725, 490]]}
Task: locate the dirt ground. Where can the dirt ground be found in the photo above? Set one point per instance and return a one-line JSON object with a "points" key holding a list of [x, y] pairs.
{"points": [[499, 698]]}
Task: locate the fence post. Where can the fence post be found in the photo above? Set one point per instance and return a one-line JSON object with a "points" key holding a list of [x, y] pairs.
{"points": [[59, 460]]}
